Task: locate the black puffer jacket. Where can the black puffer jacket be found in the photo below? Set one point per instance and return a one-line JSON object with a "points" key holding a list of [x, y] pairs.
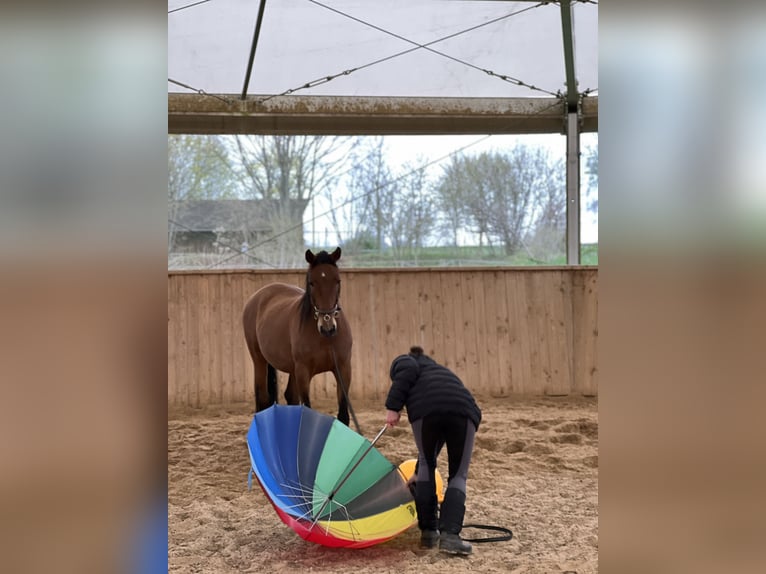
{"points": [[427, 388]]}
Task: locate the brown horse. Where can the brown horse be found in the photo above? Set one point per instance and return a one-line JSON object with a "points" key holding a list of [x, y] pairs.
{"points": [[302, 332]]}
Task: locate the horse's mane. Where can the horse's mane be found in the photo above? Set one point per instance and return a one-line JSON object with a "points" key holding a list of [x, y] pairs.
{"points": [[306, 309]]}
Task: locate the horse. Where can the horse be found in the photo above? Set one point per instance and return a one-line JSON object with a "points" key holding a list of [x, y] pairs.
{"points": [[302, 332]]}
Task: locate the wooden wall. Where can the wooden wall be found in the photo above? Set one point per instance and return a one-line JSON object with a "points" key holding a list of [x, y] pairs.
{"points": [[504, 331]]}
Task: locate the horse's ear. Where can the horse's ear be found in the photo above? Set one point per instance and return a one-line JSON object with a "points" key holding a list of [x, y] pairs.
{"points": [[310, 256], [335, 254]]}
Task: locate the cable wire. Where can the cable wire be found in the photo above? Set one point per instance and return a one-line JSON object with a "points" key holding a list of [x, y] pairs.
{"points": [[187, 6], [201, 92]]}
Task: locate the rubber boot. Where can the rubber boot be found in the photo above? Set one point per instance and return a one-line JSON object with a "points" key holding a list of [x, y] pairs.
{"points": [[451, 523], [426, 506]]}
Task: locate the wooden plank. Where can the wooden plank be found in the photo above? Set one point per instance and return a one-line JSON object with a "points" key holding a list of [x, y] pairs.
{"points": [[192, 337], [438, 345], [375, 377], [395, 335], [567, 311], [590, 387], [227, 334], [556, 341], [578, 306], [408, 314], [204, 376], [173, 358], [207, 396], [522, 334], [585, 329], [487, 340], [470, 328], [425, 332], [459, 312], [498, 327], [241, 361], [352, 304], [486, 344], [448, 300], [214, 339], [380, 342], [179, 332], [506, 348], [539, 313]]}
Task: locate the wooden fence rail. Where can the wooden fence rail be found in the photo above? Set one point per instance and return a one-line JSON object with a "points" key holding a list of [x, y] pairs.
{"points": [[504, 331]]}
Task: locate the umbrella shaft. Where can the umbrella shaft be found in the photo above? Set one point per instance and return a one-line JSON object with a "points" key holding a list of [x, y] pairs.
{"points": [[349, 473]]}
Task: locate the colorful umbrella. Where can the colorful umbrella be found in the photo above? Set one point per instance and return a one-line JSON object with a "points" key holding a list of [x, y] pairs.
{"points": [[328, 483]]}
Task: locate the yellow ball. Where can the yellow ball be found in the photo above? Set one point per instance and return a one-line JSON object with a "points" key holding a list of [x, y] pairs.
{"points": [[407, 469]]}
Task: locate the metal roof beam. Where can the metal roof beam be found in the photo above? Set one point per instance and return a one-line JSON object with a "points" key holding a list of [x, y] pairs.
{"points": [[227, 114]]}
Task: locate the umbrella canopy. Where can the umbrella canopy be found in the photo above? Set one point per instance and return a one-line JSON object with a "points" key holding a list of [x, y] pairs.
{"points": [[325, 481]]}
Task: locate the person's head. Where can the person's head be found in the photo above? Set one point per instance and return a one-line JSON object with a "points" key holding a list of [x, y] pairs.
{"points": [[413, 355]]}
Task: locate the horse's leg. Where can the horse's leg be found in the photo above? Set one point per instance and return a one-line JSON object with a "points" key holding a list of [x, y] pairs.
{"points": [[260, 373], [260, 381], [301, 385], [291, 393], [345, 379], [271, 384]]}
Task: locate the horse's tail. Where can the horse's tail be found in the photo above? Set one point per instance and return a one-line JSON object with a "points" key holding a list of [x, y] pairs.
{"points": [[271, 383]]}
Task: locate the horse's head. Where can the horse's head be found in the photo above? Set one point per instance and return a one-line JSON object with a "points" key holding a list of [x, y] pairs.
{"points": [[323, 289]]}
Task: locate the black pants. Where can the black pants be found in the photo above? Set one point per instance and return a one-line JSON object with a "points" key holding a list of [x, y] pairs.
{"points": [[431, 433]]}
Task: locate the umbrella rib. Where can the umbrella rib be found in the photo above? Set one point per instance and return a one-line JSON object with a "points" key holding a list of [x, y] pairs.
{"points": [[349, 519], [348, 474], [302, 493]]}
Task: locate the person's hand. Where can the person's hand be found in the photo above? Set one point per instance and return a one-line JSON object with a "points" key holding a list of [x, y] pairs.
{"points": [[392, 418]]}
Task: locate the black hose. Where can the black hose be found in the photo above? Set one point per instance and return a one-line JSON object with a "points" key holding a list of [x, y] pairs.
{"points": [[507, 534]]}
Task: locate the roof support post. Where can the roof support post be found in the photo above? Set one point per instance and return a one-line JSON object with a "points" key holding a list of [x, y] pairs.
{"points": [[573, 137], [573, 189]]}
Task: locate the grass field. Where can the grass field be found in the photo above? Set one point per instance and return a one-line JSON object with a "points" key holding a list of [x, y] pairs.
{"points": [[468, 256], [460, 256]]}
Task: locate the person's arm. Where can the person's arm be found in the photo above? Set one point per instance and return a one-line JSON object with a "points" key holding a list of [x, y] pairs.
{"points": [[403, 376]]}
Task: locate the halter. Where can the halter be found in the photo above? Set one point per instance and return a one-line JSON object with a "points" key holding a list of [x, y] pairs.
{"points": [[335, 311]]}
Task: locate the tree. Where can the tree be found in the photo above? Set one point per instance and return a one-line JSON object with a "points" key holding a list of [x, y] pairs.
{"points": [[412, 214], [372, 190], [451, 196], [547, 239], [287, 172], [591, 171], [198, 168], [508, 197]]}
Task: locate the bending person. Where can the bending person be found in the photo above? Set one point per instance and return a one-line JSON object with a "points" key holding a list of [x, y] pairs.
{"points": [[441, 411]]}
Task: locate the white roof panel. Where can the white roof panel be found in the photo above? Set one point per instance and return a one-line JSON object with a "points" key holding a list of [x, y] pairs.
{"points": [[302, 41]]}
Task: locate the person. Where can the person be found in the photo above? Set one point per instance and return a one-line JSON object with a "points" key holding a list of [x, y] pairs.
{"points": [[441, 411]]}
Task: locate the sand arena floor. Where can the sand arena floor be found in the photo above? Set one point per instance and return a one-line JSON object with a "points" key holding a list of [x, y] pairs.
{"points": [[534, 470]]}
